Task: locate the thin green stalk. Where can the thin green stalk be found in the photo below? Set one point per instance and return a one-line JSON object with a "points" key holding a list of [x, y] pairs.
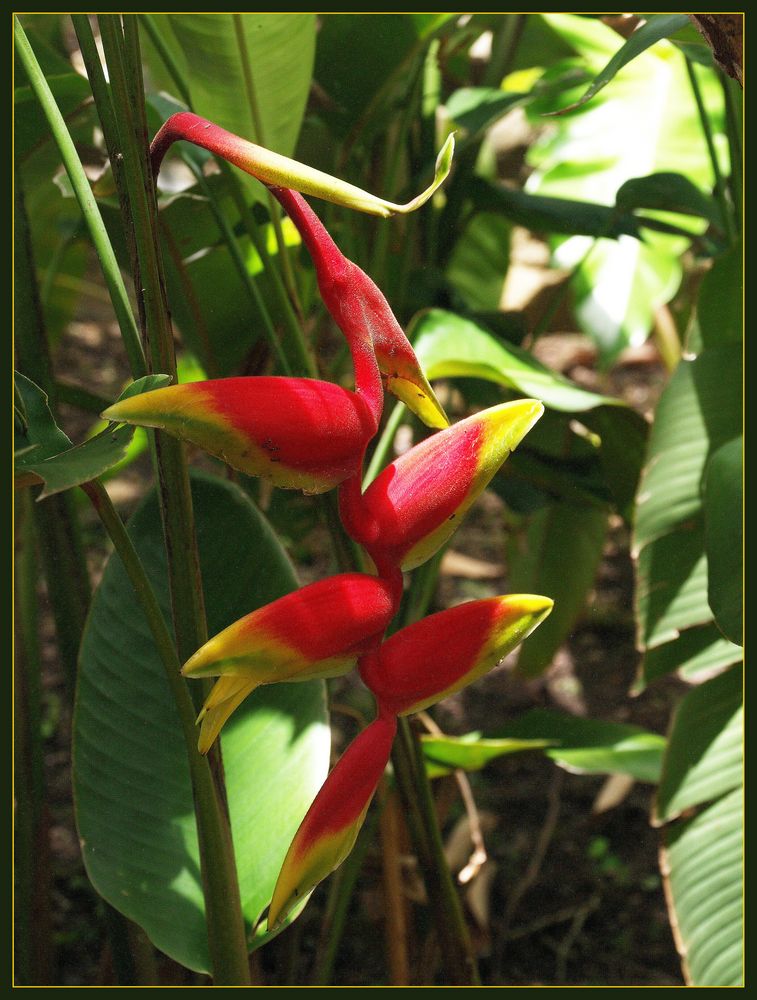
{"points": [[384, 445], [720, 187], [226, 932], [504, 44], [223, 909], [257, 121], [454, 938], [734, 125], [334, 919], [87, 203]]}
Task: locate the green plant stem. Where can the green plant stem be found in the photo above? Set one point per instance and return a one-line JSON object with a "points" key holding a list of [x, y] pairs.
{"points": [[225, 923], [720, 187], [734, 124], [384, 446], [223, 909], [413, 784], [504, 44], [87, 203], [337, 907]]}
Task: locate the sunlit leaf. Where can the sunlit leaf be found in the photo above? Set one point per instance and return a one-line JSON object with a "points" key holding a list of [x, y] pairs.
{"points": [[131, 781]]}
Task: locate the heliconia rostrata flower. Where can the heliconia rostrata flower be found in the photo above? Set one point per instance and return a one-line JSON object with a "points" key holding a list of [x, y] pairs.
{"points": [[312, 435], [315, 632]]}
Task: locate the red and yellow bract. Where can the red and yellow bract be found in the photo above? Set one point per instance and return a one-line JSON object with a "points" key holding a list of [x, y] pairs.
{"points": [[434, 657], [328, 832], [413, 507], [317, 631], [296, 432]]}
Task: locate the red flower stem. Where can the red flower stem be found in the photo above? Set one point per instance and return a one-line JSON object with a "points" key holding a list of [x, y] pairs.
{"points": [[338, 283]]}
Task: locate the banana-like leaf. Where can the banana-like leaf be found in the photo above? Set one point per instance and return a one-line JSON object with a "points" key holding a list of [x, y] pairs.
{"points": [[647, 108], [724, 511], [702, 862], [704, 759], [131, 781]]}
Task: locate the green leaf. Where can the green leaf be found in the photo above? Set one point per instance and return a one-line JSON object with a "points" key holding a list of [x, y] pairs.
{"points": [[62, 467], [723, 515], [702, 862], [698, 651], [131, 781], [592, 746], [719, 311], [699, 411], [469, 752], [556, 554], [544, 214], [644, 36], [671, 590], [704, 756], [645, 121], [356, 56], [667, 192], [280, 49], [30, 126], [40, 436]]}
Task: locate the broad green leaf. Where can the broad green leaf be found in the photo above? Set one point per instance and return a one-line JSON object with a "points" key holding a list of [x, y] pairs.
{"points": [[450, 346], [704, 758], [470, 752], [723, 516], [719, 313], [591, 746], [698, 651], [702, 861], [280, 51], [479, 262], [131, 781], [671, 588], [644, 36], [699, 411], [645, 121], [556, 553]]}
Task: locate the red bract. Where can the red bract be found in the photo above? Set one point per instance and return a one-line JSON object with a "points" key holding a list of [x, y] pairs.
{"points": [[433, 658], [298, 433], [413, 507], [328, 832], [361, 312], [315, 632]]}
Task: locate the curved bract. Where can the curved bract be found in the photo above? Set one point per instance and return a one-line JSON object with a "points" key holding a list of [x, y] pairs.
{"points": [[315, 632], [433, 658], [298, 433], [362, 313], [328, 832], [414, 506], [272, 168]]}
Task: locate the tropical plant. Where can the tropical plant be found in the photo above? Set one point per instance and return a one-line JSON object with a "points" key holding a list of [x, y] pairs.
{"points": [[261, 351]]}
